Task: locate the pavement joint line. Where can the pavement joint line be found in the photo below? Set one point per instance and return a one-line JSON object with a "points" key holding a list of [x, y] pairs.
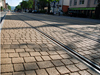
{"points": [[76, 55], [67, 30]]}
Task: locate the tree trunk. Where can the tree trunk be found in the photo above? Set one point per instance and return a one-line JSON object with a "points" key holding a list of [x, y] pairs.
{"points": [[48, 7]]}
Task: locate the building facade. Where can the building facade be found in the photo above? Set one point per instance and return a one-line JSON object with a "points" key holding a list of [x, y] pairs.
{"points": [[86, 7], [2, 4], [62, 5]]}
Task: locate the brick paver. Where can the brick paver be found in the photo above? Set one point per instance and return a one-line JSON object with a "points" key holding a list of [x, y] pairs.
{"points": [[25, 52], [41, 72]]}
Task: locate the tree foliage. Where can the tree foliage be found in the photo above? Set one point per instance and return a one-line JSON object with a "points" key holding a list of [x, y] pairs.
{"points": [[18, 8], [2, 8], [24, 4], [30, 4], [9, 7], [41, 4]]}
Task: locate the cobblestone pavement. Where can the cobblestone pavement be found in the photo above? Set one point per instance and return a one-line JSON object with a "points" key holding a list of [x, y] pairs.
{"points": [[71, 32], [25, 52]]}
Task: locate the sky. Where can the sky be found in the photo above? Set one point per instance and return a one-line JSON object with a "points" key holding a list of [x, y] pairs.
{"points": [[13, 2]]}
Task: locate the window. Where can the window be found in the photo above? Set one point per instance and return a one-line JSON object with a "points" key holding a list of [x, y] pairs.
{"points": [[95, 1], [81, 1], [75, 2], [70, 2]]}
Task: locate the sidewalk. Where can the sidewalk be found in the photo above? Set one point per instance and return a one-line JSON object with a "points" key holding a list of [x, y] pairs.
{"points": [[25, 52]]}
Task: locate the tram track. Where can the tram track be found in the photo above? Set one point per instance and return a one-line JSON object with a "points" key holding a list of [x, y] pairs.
{"points": [[68, 29], [73, 53]]}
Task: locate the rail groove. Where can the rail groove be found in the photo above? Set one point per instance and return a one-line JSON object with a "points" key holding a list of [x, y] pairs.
{"points": [[73, 53]]}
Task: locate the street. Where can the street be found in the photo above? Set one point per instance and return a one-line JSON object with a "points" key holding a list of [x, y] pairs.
{"points": [[24, 51]]}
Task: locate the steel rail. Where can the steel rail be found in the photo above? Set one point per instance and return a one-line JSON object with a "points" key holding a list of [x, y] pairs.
{"points": [[73, 53], [67, 30]]}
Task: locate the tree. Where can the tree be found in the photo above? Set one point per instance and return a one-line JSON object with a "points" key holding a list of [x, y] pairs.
{"points": [[2, 8], [30, 4], [18, 8], [48, 2], [9, 7], [24, 4], [41, 4]]}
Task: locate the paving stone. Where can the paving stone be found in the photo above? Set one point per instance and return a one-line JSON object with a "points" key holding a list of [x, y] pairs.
{"points": [[72, 68], [30, 66], [18, 73], [33, 46], [18, 67], [13, 55], [51, 49], [17, 60], [52, 71], [45, 64], [30, 72], [4, 55], [75, 73], [62, 52], [66, 74], [26, 54], [6, 46], [29, 59], [74, 60], [38, 58], [37, 49], [65, 56], [10, 50], [6, 61], [29, 50], [57, 63], [84, 72], [81, 66], [66, 61], [41, 72], [35, 54], [44, 53], [6, 74], [46, 58], [7, 68], [52, 52], [55, 57], [14, 46], [62, 69], [3, 50], [23, 46], [19, 50], [87, 52]]}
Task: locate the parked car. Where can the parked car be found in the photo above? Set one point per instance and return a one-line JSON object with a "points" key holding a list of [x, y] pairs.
{"points": [[30, 11], [34, 11], [72, 13]]}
